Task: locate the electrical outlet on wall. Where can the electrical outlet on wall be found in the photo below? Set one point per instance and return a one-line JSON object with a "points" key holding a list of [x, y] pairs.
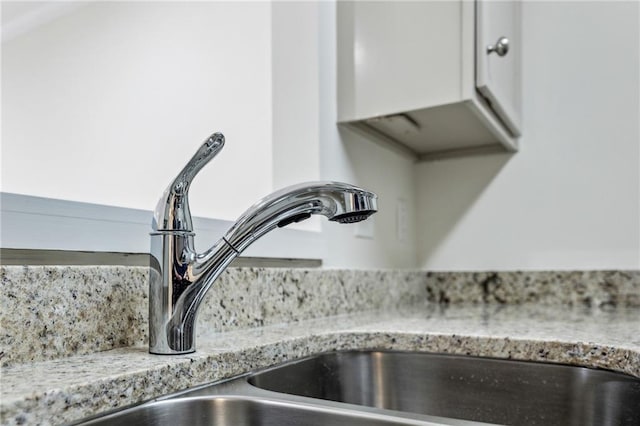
{"points": [[402, 220]]}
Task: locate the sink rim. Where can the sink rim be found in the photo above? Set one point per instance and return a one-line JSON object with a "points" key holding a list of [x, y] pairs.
{"points": [[239, 388], [438, 354], [296, 404], [519, 380]]}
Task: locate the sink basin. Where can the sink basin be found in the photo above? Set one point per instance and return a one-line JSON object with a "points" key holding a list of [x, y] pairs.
{"points": [[459, 387], [398, 388], [242, 411]]}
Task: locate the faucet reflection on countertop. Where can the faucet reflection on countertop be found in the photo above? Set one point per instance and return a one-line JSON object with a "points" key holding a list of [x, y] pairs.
{"points": [[184, 276]]}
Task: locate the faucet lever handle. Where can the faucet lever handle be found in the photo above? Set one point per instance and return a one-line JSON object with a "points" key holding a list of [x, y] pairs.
{"points": [[209, 149], [172, 212]]}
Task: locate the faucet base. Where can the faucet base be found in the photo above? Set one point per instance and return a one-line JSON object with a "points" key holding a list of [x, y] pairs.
{"points": [[165, 352]]}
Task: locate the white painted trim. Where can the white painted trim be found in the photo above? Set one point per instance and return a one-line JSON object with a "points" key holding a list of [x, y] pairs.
{"points": [[28, 222]]}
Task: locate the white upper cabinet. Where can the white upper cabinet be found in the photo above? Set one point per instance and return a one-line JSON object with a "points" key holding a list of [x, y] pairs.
{"points": [[419, 74], [498, 59]]}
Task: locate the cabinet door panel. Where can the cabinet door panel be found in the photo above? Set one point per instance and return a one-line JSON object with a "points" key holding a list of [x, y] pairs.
{"points": [[404, 55], [498, 76]]}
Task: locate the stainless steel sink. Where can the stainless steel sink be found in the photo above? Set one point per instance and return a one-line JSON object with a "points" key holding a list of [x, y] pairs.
{"points": [[398, 388], [241, 411], [477, 389], [236, 403]]}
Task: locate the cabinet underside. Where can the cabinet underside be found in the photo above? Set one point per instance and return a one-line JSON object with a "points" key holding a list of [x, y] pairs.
{"points": [[441, 131]]}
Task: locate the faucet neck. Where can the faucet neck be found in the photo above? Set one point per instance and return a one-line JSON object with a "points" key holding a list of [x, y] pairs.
{"points": [[178, 284]]}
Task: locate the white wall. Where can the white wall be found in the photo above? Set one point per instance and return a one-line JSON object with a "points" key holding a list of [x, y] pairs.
{"points": [[146, 95], [295, 97], [347, 156], [570, 199], [107, 103], [296, 92]]}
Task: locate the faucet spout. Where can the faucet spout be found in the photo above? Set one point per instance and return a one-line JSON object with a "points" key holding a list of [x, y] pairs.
{"points": [[181, 277]]}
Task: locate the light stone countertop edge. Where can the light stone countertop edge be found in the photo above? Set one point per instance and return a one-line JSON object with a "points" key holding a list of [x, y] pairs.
{"points": [[66, 390]]}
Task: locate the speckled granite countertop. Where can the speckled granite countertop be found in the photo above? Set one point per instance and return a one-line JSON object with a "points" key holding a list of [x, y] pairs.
{"points": [[505, 320], [64, 390]]}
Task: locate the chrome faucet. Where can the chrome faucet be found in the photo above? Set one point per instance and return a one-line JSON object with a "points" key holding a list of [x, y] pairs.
{"points": [[181, 277]]}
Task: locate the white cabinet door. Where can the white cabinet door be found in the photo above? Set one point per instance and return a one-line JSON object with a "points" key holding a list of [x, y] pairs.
{"points": [[498, 72]]}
